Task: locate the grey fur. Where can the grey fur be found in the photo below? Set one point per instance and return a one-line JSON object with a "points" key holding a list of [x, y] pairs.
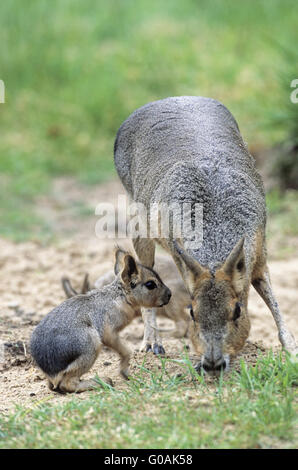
{"points": [[68, 340], [178, 307], [189, 149]]}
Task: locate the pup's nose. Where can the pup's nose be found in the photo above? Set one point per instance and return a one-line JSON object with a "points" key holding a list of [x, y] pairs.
{"points": [[210, 365], [169, 294]]}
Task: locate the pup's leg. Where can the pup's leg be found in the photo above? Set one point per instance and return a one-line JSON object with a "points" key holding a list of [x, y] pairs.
{"points": [[112, 340], [74, 384], [70, 378], [71, 382]]}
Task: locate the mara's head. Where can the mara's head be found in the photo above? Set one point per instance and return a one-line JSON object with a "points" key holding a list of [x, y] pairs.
{"points": [[141, 284], [220, 324]]}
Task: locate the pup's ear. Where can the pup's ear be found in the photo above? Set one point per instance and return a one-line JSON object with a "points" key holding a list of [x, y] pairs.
{"points": [[129, 268], [119, 257]]}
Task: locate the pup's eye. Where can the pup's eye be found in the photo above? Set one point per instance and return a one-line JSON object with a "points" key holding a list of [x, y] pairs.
{"points": [[150, 285], [237, 311], [132, 285]]}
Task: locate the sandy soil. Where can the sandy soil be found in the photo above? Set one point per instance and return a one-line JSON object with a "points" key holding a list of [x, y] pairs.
{"points": [[30, 287]]}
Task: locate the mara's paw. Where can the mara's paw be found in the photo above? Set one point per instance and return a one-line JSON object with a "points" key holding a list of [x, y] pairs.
{"points": [[125, 373], [199, 367], [147, 346], [288, 342], [294, 355], [156, 348]]}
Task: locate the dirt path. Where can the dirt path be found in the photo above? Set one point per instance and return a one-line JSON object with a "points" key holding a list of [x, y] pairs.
{"points": [[30, 287]]}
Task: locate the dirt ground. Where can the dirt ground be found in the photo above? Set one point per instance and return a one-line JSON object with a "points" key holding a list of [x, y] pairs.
{"points": [[30, 287]]}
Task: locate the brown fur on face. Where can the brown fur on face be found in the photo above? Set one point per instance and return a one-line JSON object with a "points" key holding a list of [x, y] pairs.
{"points": [[215, 316], [216, 333]]}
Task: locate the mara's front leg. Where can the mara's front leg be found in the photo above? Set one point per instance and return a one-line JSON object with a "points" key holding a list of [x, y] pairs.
{"points": [[145, 249], [151, 340]]}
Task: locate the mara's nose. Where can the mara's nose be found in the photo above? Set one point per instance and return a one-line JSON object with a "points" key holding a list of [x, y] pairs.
{"points": [[210, 365], [169, 295]]}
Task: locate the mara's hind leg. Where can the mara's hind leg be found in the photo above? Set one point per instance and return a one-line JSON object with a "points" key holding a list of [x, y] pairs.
{"points": [[145, 249], [262, 285], [178, 311], [181, 328], [181, 319]]}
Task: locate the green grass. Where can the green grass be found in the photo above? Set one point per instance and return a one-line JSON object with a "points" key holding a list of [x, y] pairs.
{"points": [[256, 407], [282, 222], [74, 70]]}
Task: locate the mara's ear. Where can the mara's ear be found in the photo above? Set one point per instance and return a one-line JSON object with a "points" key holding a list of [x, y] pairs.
{"points": [[129, 268], [191, 270], [67, 287], [86, 285], [234, 266]]}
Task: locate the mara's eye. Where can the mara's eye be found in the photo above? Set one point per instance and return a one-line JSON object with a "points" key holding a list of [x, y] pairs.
{"points": [[191, 312], [150, 285], [237, 311]]}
